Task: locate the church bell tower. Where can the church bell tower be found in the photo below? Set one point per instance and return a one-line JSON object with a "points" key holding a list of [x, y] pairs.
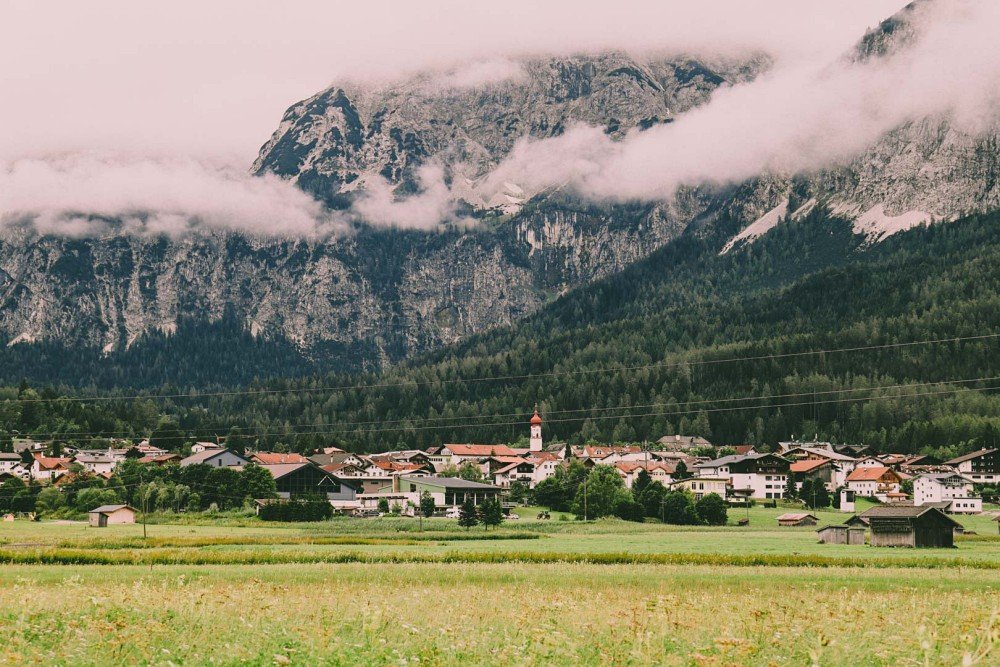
{"points": [[535, 444]]}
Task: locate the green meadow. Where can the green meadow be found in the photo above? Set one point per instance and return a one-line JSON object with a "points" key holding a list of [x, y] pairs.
{"points": [[233, 590]]}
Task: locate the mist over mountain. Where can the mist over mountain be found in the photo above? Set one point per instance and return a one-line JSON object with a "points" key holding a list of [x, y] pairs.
{"points": [[457, 200]]}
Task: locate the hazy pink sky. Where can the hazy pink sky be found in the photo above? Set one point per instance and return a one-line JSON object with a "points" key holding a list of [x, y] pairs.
{"points": [[211, 79]]}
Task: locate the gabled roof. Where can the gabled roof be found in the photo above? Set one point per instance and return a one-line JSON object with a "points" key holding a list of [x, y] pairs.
{"points": [[159, 458], [451, 482], [808, 465], [796, 516], [970, 456], [52, 463], [108, 509], [943, 475], [207, 455], [820, 451], [271, 458], [872, 474], [633, 466], [902, 512], [481, 450]]}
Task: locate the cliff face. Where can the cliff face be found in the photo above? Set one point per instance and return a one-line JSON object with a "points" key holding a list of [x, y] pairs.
{"points": [[380, 295], [359, 301]]}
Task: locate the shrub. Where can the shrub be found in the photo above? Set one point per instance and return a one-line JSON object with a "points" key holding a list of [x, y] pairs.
{"points": [[711, 509], [679, 509], [297, 510], [630, 510]]}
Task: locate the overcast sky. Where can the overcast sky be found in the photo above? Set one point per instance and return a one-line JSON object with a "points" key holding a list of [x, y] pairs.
{"points": [[210, 79]]}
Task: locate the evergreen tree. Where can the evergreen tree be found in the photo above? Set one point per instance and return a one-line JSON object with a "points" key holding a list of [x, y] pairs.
{"points": [[491, 512], [681, 471], [467, 514], [427, 506], [791, 489]]}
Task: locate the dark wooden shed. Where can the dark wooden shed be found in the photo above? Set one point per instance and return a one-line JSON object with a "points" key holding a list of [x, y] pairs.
{"points": [[910, 526], [841, 535]]}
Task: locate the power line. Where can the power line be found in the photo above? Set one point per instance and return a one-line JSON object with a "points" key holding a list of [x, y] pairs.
{"points": [[497, 378], [249, 431]]}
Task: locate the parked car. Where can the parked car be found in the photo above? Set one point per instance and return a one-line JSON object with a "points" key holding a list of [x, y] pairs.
{"points": [[452, 513]]}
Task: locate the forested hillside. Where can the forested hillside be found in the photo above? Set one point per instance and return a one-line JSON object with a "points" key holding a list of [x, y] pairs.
{"points": [[668, 328]]}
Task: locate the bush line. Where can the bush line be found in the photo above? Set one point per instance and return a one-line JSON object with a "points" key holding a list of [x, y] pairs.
{"points": [[57, 556]]}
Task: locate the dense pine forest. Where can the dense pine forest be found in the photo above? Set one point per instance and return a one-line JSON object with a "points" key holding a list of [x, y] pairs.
{"points": [[687, 341]]}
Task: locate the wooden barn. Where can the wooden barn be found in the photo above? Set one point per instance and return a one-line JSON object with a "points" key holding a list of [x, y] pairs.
{"points": [[910, 526], [797, 519], [841, 535]]}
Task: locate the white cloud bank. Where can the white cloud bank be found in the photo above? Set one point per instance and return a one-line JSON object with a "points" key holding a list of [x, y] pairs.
{"points": [[175, 85], [81, 195], [799, 117]]}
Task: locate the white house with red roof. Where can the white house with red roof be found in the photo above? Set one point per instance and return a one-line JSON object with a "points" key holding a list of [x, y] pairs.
{"points": [[882, 483], [49, 467]]}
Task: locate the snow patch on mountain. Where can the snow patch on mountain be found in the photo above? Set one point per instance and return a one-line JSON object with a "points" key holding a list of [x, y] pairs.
{"points": [[758, 227], [876, 224]]}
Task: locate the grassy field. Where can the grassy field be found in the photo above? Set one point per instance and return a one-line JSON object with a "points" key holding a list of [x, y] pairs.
{"points": [[533, 592]]}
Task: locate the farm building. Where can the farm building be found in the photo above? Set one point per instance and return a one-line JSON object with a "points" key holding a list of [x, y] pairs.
{"points": [[109, 515], [910, 526], [447, 491], [797, 519], [308, 479], [841, 535]]}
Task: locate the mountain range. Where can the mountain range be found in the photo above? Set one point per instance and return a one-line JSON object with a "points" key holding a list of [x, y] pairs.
{"points": [[382, 293]]}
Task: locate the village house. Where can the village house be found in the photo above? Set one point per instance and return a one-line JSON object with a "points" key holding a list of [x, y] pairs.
{"points": [[26, 444], [948, 491], [702, 486], [456, 455], [982, 467], [505, 472], [812, 469], [10, 463], [446, 491], [217, 458], [97, 463], [161, 459], [910, 526], [842, 464], [200, 447], [49, 467], [761, 476], [657, 471], [110, 515], [881, 483], [683, 443], [339, 457]]}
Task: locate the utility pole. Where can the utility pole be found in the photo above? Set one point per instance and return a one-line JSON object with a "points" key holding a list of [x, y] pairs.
{"points": [[142, 497]]}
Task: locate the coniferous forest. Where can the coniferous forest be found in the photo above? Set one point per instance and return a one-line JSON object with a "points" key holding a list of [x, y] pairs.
{"points": [[755, 346]]}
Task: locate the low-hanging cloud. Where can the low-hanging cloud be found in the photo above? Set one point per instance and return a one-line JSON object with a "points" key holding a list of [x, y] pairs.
{"points": [[379, 206], [796, 118], [85, 195], [812, 110]]}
